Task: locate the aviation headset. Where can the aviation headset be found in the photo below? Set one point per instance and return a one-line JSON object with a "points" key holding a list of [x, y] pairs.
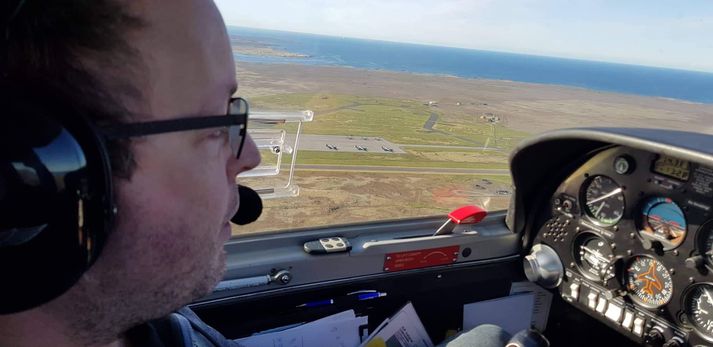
{"points": [[56, 196], [56, 199]]}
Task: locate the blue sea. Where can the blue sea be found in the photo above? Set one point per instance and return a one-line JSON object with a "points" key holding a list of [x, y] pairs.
{"points": [[403, 57]]}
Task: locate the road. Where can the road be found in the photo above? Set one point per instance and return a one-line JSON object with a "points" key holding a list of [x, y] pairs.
{"points": [[425, 170], [431, 121]]}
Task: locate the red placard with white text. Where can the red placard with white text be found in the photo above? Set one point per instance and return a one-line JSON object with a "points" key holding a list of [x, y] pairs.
{"points": [[421, 258]]}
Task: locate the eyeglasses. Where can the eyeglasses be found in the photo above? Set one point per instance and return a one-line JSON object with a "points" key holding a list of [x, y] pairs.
{"points": [[236, 120]]}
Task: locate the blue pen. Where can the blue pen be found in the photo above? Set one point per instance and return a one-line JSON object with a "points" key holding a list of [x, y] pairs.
{"points": [[372, 295], [317, 303]]}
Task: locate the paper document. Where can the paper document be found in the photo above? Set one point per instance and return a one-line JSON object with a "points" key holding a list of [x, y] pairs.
{"points": [[543, 301], [339, 330], [404, 329], [512, 313]]}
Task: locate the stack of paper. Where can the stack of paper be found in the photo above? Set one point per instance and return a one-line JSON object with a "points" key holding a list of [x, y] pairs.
{"points": [[339, 330], [404, 329]]}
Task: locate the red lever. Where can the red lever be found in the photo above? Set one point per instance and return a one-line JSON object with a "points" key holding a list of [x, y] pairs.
{"points": [[462, 215]]}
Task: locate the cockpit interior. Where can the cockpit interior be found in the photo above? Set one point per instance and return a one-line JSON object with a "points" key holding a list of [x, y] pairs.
{"points": [[614, 222]]}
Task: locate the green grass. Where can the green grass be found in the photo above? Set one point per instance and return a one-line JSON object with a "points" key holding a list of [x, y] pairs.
{"points": [[398, 121]]}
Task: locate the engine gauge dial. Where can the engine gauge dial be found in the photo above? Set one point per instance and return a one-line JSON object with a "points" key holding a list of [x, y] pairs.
{"points": [[592, 254], [603, 200], [648, 282], [663, 221], [698, 305]]}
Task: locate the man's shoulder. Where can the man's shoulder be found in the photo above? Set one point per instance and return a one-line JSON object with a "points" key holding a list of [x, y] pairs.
{"points": [[181, 328]]}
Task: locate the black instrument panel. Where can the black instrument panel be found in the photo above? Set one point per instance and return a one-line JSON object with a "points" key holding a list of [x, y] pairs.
{"points": [[634, 231]]}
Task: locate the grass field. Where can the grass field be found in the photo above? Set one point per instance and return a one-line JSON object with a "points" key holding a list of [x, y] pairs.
{"points": [[332, 197], [398, 121]]}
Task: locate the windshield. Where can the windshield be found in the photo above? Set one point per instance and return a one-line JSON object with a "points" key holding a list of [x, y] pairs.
{"points": [[417, 105]]}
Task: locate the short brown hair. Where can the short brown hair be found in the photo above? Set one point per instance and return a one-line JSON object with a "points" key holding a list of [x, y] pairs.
{"points": [[60, 47]]}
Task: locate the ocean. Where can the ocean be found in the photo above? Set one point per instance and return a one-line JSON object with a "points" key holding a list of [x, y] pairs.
{"points": [[690, 86]]}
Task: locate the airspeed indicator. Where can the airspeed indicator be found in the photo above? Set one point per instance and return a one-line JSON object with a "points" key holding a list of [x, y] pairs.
{"points": [[603, 200]]}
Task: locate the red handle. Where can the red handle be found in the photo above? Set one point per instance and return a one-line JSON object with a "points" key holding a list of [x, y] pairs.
{"points": [[467, 215]]}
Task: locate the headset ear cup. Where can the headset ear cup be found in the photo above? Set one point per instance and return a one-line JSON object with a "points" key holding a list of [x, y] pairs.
{"points": [[55, 202]]}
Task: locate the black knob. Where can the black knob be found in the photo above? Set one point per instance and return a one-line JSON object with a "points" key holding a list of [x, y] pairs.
{"points": [[672, 343], [694, 262], [654, 338]]}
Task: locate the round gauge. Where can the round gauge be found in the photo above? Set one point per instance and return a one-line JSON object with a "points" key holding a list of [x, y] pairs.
{"points": [[705, 242], [592, 254], [603, 200], [698, 304], [663, 221], [648, 282]]}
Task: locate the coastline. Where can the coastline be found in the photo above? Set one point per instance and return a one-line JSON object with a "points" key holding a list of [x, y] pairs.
{"points": [[523, 106]]}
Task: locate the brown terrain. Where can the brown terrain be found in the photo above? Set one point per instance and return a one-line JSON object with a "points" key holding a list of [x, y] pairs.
{"points": [[339, 197], [521, 106]]}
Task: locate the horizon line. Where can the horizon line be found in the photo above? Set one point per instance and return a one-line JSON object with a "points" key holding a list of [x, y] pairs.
{"points": [[710, 72]]}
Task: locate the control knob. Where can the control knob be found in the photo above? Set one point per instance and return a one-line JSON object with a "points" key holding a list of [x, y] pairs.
{"points": [[543, 266], [655, 337], [672, 343], [695, 262]]}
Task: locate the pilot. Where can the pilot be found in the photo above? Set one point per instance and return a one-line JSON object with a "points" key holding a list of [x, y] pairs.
{"points": [[121, 142]]}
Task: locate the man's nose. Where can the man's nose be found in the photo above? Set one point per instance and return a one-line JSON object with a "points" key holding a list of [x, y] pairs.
{"points": [[248, 160]]}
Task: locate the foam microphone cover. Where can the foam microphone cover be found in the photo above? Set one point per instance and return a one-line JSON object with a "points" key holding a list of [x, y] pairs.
{"points": [[250, 206]]}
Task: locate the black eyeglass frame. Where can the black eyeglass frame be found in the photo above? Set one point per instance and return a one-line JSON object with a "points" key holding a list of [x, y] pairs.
{"points": [[230, 120]]}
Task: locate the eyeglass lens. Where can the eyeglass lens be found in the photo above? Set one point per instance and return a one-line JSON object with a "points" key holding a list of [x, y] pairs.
{"points": [[237, 106]]}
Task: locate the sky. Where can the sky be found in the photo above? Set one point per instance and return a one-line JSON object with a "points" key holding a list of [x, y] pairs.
{"points": [[664, 33]]}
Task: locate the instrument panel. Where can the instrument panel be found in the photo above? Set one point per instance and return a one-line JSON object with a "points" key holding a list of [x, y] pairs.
{"points": [[634, 231]]}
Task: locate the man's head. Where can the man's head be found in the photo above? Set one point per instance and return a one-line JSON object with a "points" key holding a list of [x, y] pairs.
{"points": [[175, 192]]}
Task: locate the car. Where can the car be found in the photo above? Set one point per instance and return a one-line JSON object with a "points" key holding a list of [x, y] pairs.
{"points": [[332, 147], [387, 149], [360, 148], [502, 192]]}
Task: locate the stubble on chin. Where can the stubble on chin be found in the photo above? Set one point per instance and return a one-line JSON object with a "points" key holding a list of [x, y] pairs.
{"points": [[141, 275]]}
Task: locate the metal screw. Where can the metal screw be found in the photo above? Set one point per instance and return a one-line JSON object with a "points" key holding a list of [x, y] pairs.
{"points": [[388, 258], [629, 252], [632, 235], [439, 276], [675, 252], [386, 269], [691, 280]]}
